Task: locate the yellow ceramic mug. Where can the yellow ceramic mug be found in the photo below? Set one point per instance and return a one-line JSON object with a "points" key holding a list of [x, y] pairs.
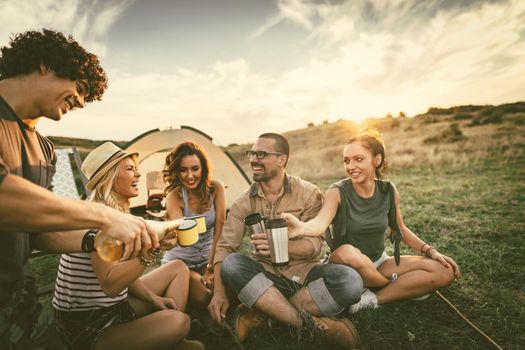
{"points": [[201, 222], [187, 233]]}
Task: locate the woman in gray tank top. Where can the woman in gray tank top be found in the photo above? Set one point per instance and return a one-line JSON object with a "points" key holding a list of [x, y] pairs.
{"points": [[192, 191], [361, 208]]}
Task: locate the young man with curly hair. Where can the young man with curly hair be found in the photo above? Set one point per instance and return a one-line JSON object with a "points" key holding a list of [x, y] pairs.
{"points": [[44, 74]]}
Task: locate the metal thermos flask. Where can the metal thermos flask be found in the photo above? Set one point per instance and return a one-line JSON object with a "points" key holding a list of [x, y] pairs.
{"points": [[277, 235]]}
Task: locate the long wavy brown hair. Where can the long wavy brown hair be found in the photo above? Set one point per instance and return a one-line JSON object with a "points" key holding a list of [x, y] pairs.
{"points": [[172, 170]]}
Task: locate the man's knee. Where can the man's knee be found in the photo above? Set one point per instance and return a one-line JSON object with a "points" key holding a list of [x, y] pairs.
{"points": [[231, 265], [238, 269], [346, 283]]}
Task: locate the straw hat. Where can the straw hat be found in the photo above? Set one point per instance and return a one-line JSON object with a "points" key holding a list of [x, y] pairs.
{"points": [[100, 160]]}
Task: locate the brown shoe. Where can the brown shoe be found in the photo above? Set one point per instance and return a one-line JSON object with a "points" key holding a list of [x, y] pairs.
{"points": [[338, 332], [246, 320]]}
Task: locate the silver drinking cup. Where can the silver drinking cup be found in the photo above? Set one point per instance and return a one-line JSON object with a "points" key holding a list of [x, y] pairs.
{"points": [[277, 235], [255, 223]]}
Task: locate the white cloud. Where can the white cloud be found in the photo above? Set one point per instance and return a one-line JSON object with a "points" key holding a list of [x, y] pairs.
{"points": [[87, 21], [368, 59]]}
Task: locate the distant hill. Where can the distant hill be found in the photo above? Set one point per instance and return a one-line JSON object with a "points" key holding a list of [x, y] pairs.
{"points": [[84, 146], [458, 134]]}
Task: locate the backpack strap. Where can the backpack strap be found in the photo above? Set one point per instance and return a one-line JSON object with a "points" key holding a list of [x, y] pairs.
{"points": [[395, 233]]}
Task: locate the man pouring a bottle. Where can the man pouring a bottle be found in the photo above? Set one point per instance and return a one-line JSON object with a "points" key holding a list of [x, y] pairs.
{"points": [[44, 74]]}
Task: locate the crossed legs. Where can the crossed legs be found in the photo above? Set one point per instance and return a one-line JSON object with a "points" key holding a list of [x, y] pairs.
{"points": [[162, 329], [417, 275], [327, 289]]}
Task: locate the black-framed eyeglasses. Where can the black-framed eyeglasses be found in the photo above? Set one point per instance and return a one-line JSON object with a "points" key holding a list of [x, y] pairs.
{"points": [[261, 154]]}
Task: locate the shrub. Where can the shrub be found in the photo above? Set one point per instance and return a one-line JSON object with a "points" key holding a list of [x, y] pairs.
{"points": [[518, 107], [439, 111], [495, 117], [518, 119], [487, 111], [452, 134], [395, 123], [462, 116]]}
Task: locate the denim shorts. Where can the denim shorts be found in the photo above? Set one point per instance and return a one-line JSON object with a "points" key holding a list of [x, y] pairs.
{"points": [[332, 287]]}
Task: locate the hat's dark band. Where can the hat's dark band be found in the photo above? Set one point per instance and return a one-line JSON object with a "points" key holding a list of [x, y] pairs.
{"points": [[109, 160]]}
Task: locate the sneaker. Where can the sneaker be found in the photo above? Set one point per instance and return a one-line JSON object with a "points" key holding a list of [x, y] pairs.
{"points": [[368, 301], [422, 298], [246, 320], [337, 332]]}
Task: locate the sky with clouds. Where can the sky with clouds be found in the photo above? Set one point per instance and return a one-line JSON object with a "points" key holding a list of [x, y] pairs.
{"points": [[237, 68]]}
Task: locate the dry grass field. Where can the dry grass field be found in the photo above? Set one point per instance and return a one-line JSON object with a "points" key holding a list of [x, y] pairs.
{"points": [[450, 137]]}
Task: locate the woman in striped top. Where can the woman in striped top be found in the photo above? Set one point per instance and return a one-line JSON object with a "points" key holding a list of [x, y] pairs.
{"points": [[100, 304]]}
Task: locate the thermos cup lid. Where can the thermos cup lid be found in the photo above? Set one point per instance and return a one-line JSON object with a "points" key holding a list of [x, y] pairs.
{"points": [[253, 219], [275, 223]]}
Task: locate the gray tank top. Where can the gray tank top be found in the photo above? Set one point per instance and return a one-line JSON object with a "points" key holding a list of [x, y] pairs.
{"points": [[362, 222], [198, 253]]}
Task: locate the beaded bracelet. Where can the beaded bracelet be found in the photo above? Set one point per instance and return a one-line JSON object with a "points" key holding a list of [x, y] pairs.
{"points": [[154, 252], [423, 246], [427, 250], [145, 261], [428, 253]]}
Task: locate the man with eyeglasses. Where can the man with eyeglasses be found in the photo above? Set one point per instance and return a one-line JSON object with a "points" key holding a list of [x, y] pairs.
{"points": [[305, 294], [44, 74]]}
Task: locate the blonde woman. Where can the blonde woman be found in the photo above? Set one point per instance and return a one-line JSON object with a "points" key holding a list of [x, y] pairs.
{"points": [[109, 305]]}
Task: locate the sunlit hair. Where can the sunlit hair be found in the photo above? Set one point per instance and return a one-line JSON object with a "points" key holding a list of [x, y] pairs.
{"points": [[371, 139], [104, 193], [172, 170], [281, 143]]}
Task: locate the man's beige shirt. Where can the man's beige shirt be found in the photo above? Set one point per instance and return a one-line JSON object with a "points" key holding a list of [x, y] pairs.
{"points": [[298, 197]]}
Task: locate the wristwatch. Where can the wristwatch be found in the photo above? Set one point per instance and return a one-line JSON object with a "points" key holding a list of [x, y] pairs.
{"points": [[88, 241]]}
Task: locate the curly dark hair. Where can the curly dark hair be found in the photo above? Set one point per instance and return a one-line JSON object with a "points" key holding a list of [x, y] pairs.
{"points": [[64, 56], [172, 169]]}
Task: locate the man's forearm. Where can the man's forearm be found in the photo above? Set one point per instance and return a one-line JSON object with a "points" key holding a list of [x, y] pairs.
{"points": [[58, 242], [25, 206], [218, 286], [304, 248]]}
